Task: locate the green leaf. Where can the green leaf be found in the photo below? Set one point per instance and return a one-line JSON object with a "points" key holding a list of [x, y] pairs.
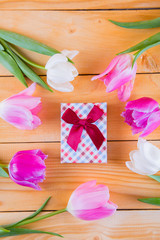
{"points": [[25, 68], [153, 201], [26, 42], [30, 73], [3, 230], [143, 50], [21, 231], [1, 47], [3, 173], [151, 40], [8, 62], [153, 23], [31, 216], [155, 177]]}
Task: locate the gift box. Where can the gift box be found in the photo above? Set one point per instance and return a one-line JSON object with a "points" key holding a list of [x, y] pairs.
{"points": [[83, 132]]}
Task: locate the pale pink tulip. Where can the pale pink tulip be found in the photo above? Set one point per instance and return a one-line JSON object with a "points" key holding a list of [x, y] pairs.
{"points": [[27, 168], [21, 109], [90, 202], [120, 76]]}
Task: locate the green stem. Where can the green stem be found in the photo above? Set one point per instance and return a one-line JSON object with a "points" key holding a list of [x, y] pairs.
{"points": [[4, 165], [41, 217], [26, 60]]}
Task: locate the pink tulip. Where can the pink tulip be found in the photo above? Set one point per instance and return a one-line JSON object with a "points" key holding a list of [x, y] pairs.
{"points": [[20, 110], [90, 202], [119, 75], [27, 168], [143, 115]]}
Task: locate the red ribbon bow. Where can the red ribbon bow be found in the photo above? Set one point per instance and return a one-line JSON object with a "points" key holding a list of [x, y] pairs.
{"points": [[93, 131]]}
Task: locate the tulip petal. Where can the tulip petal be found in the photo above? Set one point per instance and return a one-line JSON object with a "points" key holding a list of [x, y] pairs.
{"points": [[33, 152], [56, 58], [153, 123], [124, 92], [62, 87], [149, 152], [139, 164], [18, 116], [70, 54], [28, 102], [130, 166], [27, 184], [97, 213], [93, 199], [28, 91], [108, 69], [36, 122], [61, 73], [118, 80], [36, 109], [144, 104]]}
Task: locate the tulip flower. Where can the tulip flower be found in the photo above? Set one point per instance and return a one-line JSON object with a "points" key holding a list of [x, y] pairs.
{"points": [[145, 160], [143, 115], [27, 168], [21, 110], [60, 72], [90, 202], [120, 76]]}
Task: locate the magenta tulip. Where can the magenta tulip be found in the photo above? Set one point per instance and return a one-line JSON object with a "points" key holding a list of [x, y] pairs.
{"points": [[27, 168], [143, 115], [90, 202], [21, 109], [120, 76]]}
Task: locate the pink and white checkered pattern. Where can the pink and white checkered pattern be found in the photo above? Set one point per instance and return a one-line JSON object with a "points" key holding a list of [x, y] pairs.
{"points": [[86, 151]]}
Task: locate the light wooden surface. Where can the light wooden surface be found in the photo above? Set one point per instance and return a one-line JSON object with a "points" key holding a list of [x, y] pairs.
{"points": [[62, 179], [82, 25], [81, 4], [85, 91], [128, 225], [88, 31]]}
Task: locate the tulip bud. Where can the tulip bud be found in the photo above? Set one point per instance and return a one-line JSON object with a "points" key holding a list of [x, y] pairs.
{"points": [[145, 160], [119, 75], [20, 110], [90, 202], [60, 72], [27, 168]]}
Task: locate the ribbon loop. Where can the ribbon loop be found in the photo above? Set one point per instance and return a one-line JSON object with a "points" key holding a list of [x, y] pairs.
{"points": [[92, 130]]}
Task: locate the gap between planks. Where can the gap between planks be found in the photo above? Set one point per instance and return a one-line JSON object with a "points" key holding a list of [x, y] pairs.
{"points": [[83, 9]]}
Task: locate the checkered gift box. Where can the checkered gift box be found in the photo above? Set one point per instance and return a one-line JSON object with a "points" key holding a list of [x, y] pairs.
{"points": [[86, 151]]}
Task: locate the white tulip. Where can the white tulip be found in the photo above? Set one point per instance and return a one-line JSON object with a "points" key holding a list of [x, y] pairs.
{"points": [[145, 160], [60, 72]]}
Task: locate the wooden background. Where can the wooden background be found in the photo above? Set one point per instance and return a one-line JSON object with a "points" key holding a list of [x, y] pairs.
{"points": [[82, 25]]}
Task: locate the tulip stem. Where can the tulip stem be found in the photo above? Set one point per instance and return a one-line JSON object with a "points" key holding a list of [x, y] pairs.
{"points": [[41, 217], [26, 60], [4, 165]]}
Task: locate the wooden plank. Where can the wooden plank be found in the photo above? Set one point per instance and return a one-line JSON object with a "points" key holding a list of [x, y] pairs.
{"points": [[82, 4], [85, 91], [90, 32], [124, 225], [62, 179]]}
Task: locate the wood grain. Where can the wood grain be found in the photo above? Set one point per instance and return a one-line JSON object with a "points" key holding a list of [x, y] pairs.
{"points": [[124, 225], [81, 4], [90, 32], [62, 179], [85, 91]]}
